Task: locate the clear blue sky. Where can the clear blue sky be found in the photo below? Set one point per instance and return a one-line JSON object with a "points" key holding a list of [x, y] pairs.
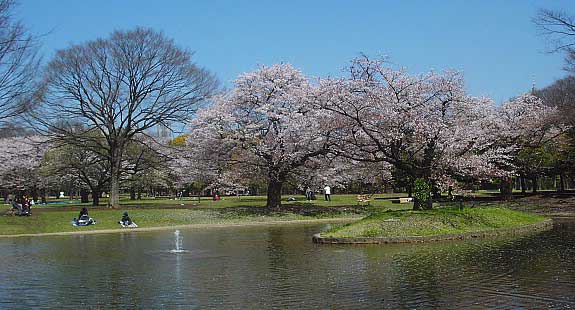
{"points": [[494, 43]]}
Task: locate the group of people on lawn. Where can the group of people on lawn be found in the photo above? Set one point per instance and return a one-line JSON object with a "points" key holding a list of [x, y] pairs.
{"points": [[84, 220], [21, 204], [310, 195]]}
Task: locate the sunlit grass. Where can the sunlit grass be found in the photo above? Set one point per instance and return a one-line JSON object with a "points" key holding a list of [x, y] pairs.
{"points": [[432, 222]]}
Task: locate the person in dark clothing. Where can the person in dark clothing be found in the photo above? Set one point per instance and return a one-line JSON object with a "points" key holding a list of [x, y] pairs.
{"points": [[126, 220], [25, 205], [83, 219], [83, 214], [16, 206]]}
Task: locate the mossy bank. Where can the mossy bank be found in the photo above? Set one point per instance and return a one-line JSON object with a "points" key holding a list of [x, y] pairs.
{"points": [[431, 225]]}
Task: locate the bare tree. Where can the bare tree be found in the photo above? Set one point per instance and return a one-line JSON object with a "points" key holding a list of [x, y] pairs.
{"points": [[120, 87], [18, 64], [559, 28]]}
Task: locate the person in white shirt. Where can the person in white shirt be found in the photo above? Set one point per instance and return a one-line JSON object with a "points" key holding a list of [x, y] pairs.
{"points": [[327, 190]]}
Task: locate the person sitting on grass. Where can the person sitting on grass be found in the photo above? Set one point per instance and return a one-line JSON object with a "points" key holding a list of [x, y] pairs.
{"points": [[25, 205], [16, 206], [83, 214], [126, 221], [83, 219]]}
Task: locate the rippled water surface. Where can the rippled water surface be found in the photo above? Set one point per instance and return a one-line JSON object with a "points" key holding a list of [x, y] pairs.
{"points": [[279, 267]]}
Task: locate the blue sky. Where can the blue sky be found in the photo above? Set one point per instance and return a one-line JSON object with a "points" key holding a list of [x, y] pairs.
{"points": [[494, 43]]}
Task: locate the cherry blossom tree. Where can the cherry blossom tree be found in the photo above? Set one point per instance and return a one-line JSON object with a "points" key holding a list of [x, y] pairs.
{"points": [[561, 95], [425, 126], [21, 158], [530, 130], [267, 125]]}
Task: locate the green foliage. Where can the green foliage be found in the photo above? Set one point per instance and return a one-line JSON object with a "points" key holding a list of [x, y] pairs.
{"points": [[179, 140], [422, 190]]}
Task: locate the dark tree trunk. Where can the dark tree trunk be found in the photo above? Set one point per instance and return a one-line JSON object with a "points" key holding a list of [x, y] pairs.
{"points": [[523, 184], [95, 198], [44, 200], [416, 204], [84, 196], [535, 187], [274, 194], [429, 203], [34, 192], [506, 188], [561, 187], [139, 195], [115, 166], [132, 193]]}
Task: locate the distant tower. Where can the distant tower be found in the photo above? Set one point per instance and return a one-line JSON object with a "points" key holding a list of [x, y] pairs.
{"points": [[164, 130], [533, 84]]}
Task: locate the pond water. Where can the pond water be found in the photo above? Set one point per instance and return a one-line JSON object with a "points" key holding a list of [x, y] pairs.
{"points": [[279, 267]]}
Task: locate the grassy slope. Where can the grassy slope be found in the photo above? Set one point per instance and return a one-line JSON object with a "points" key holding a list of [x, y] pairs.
{"points": [[434, 222]]}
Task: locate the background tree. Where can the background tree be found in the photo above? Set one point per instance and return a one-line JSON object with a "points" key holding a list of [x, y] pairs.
{"points": [[18, 64], [559, 28], [528, 129], [561, 95], [146, 158], [120, 87], [71, 162]]}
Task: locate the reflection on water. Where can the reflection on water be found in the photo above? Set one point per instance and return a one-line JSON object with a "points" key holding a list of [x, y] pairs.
{"points": [[278, 266]]}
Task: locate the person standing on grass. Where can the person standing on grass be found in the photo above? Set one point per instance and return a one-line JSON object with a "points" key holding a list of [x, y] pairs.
{"points": [[327, 190]]}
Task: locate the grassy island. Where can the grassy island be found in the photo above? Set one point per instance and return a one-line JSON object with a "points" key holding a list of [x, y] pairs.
{"points": [[441, 221]]}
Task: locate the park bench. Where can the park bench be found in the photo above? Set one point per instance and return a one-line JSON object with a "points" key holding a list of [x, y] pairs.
{"points": [[363, 199]]}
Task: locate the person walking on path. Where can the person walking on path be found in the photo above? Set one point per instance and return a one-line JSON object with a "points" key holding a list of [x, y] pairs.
{"points": [[308, 194], [327, 190]]}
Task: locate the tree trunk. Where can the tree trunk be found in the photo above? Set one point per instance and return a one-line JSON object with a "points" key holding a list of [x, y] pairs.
{"points": [[95, 198], [44, 200], [139, 195], [132, 193], [429, 203], [561, 183], [535, 187], [84, 196], [34, 191], [274, 193], [416, 204], [506, 188], [115, 165], [114, 201], [523, 183]]}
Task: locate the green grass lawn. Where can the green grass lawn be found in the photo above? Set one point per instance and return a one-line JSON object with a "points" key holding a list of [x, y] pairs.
{"points": [[47, 222], [166, 212], [438, 221], [379, 200], [380, 221]]}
